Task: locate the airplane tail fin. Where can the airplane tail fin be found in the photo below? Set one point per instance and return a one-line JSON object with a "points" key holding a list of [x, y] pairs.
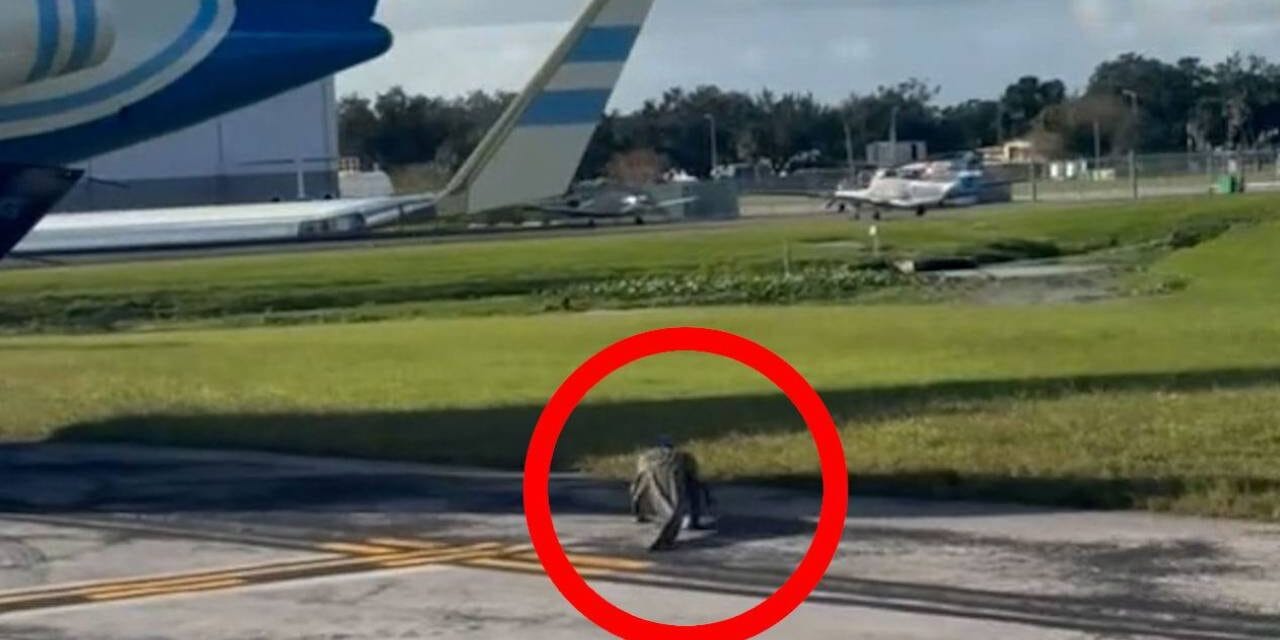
{"points": [[534, 150]]}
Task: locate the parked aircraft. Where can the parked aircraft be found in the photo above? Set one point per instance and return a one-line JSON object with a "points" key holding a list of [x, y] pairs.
{"points": [[82, 78], [923, 186], [612, 202]]}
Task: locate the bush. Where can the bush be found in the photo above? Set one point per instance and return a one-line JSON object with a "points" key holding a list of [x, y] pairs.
{"points": [[806, 284], [1194, 234]]}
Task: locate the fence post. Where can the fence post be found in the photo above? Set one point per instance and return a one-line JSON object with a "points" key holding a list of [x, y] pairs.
{"points": [[1133, 173], [1035, 182]]}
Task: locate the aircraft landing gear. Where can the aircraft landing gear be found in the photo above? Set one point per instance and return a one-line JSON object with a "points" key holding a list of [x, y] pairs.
{"points": [[921, 212], [639, 221]]}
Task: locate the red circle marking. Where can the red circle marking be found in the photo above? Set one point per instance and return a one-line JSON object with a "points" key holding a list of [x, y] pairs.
{"points": [[835, 483]]}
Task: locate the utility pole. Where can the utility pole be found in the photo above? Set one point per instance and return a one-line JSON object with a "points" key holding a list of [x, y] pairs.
{"points": [[1000, 123], [848, 144], [1097, 145], [893, 129], [1137, 138], [1034, 172], [1136, 119], [715, 147], [1133, 173]]}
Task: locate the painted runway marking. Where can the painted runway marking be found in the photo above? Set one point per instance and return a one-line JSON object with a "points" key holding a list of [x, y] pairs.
{"points": [[339, 558]]}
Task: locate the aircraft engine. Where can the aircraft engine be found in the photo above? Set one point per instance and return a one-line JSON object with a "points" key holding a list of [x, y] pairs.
{"points": [[45, 39]]}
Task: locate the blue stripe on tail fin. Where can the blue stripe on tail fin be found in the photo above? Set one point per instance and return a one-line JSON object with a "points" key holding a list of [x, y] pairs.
{"points": [[581, 106], [605, 44]]}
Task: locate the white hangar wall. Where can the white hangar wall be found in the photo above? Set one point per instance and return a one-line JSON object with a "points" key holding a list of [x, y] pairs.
{"points": [[251, 155]]}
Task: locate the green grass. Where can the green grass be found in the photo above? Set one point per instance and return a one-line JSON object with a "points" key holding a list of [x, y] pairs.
{"points": [[329, 285], [1162, 403]]}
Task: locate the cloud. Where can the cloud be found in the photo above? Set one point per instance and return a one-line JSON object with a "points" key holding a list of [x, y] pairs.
{"points": [[1196, 20], [446, 61], [1209, 29], [828, 47], [851, 50], [1092, 15]]}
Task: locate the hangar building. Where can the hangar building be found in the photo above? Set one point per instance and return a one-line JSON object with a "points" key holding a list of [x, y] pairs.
{"points": [[277, 150]]}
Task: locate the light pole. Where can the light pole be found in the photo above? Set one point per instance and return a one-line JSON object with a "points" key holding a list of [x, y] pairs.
{"points": [[1133, 98], [893, 128], [715, 147], [1000, 124], [1097, 145], [848, 145], [1137, 137]]}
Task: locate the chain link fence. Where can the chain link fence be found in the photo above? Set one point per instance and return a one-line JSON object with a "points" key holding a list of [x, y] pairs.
{"points": [[1147, 176], [1108, 178], [804, 182]]}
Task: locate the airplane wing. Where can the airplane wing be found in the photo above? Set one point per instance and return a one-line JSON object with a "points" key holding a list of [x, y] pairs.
{"points": [[868, 197], [915, 203], [675, 202], [587, 212], [566, 211], [859, 197], [183, 227]]}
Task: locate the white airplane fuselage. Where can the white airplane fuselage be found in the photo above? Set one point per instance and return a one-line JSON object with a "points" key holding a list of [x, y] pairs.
{"points": [[917, 187]]}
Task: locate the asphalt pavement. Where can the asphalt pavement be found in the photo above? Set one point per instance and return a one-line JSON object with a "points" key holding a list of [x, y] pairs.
{"points": [[120, 543]]}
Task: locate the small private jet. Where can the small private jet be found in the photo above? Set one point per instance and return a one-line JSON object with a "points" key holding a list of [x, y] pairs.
{"points": [[608, 202], [922, 187]]}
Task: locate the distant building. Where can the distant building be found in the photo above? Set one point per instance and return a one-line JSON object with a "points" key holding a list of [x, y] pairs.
{"points": [[355, 181], [280, 150], [892, 154], [1012, 152]]}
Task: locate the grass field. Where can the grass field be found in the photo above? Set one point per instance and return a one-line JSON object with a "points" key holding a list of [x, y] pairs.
{"points": [[1163, 403], [346, 285]]}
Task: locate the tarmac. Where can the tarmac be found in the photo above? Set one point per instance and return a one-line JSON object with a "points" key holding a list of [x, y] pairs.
{"points": [[122, 543]]}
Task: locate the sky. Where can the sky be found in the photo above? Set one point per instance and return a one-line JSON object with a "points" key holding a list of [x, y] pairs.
{"points": [[831, 48]]}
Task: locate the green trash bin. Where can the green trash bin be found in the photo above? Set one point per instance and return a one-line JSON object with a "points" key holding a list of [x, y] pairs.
{"points": [[1227, 184]]}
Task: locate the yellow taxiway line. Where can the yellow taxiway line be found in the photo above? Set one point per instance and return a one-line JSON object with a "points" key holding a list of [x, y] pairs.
{"points": [[365, 556]]}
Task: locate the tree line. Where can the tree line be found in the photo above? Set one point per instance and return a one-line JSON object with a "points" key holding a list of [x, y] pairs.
{"points": [[1132, 102]]}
